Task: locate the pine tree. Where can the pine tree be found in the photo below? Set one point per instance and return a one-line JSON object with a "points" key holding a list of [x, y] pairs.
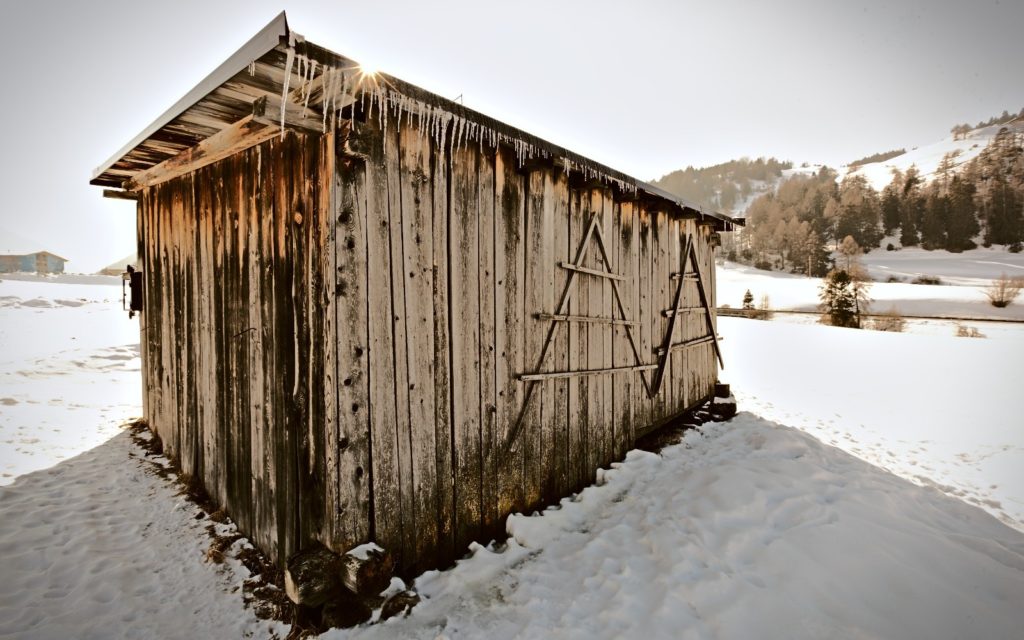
{"points": [[935, 218], [962, 226], [910, 208], [748, 301], [838, 303], [891, 206]]}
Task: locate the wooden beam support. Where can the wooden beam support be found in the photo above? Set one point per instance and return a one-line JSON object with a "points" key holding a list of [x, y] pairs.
{"points": [[591, 319], [267, 110], [593, 272], [690, 275], [530, 377], [237, 137], [117, 194], [668, 313], [687, 343]]}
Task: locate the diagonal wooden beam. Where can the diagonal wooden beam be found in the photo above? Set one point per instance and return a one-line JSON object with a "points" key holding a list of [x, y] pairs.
{"points": [[239, 136], [666, 343], [581, 253], [622, 311], [706, 301]]}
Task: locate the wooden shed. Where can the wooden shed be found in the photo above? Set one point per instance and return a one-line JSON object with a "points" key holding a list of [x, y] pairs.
{"points": [[372, 314]]}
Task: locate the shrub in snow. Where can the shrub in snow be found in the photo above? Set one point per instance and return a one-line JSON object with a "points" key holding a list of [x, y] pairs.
{"points": [[926, 280], [1003, 290], [890, 320], [963, 331]]}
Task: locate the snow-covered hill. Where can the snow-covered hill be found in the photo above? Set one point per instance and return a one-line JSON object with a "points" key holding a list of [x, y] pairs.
{"points": [[928, 157]]}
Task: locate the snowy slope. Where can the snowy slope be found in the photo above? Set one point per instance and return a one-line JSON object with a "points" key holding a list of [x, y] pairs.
{"points": [[928, 157]]}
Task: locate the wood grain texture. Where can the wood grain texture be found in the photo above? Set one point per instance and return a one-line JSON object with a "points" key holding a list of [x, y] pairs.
{"points": [[339, 338]]}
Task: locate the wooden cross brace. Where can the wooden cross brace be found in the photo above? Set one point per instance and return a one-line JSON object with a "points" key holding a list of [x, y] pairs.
{"points": [[593, 229]]}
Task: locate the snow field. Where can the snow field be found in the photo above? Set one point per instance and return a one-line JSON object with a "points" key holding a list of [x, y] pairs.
{"points": [[69, 371], [792, 292], [749, 529], [936, 410]]}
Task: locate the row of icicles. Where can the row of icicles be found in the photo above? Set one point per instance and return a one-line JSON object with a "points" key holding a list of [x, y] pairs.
{"points": [[338, 84]]}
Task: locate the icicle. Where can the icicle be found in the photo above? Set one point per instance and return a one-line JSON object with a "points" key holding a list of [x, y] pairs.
{"points": [[308, 87], [252, 68], [289, 60], [327, 80], [345, 88]]}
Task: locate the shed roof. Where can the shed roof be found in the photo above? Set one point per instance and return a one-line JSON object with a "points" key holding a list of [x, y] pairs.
{"points": [[266, 67], [35, 253]]}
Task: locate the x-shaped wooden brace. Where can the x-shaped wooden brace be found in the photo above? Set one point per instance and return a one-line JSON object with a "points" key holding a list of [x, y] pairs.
{"points": [[593, 229], [666, 345]]}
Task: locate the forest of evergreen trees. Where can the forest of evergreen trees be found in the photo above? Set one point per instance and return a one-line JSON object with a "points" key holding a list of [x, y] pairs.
{"points": [[723, 186], [795, 228]]}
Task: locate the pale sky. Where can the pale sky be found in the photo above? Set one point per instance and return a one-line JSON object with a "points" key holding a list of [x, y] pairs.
{"points": [[645, 87]]}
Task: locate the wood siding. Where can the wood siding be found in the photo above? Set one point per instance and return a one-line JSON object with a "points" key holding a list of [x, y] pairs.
{"points": [[335, 329]]}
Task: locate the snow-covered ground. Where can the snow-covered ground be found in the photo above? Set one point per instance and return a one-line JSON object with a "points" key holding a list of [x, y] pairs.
{"points": [[974, 268], [875, 513], [964, 276], [69, 370]]}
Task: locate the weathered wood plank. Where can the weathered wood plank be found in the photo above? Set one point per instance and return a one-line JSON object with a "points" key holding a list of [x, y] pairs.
{"points": [[386, 498], [392, 151], [442, 357], [464, 255], [491, 523], [556, 437], [579, 304], [352, 411], [607, 334], [539, 296], [509, 268], [418, 260], [261, 431], [622, 351]]}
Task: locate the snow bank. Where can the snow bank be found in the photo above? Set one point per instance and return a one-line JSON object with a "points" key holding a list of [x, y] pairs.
{"points": [[750, 530]]}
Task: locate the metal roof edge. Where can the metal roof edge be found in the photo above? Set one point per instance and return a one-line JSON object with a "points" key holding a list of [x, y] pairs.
{"points": [[268, 38]]}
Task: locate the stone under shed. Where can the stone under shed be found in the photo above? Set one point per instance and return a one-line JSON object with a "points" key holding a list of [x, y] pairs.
{"points": [[370, 314]]}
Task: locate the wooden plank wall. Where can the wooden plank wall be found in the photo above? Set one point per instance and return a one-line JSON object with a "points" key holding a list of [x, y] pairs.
{"points": [[237, 261], [334, 331], [462, 252]]}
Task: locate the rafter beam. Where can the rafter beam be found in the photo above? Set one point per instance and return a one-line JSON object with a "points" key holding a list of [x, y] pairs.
{"points": [[237, 137]]}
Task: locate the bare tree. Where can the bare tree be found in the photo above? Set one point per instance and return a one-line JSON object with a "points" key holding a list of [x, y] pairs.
{"points": [[1003, 290]]}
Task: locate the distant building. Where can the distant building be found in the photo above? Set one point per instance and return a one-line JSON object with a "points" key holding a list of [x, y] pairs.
{"points": [[119, 267], [38, 262]]}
